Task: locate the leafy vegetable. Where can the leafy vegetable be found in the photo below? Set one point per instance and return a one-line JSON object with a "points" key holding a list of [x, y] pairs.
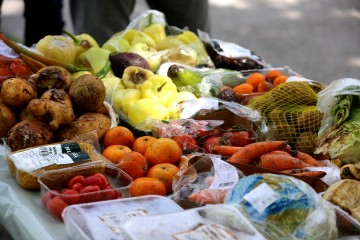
{"points": [[339, 136]]}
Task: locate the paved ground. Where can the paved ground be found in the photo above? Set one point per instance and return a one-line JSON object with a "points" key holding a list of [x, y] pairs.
{"points": [[318, 39]]}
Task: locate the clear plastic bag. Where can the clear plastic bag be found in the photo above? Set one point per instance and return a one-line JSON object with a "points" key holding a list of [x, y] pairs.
{"points": [[206, 180], [283, 207]]}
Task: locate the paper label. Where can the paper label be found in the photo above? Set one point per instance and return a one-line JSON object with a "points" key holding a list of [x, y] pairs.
{"points": [[261, 197], [114, 220], [36, 158], [207, 231], [226, 175]]}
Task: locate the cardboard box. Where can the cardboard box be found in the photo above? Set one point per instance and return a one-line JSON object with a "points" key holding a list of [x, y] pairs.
{"points": [[230, 119]]}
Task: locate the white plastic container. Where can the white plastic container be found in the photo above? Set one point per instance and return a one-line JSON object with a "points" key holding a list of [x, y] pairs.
{"points": [[222, 222], [101, 220]]}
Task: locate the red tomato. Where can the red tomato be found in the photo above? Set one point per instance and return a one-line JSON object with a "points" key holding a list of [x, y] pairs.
{"points": [[104, 181], [70, 196], [216, 132], [90, 194], [77, 187], [91, 181], [110, 193], [47, 196], [240, 139], [76, 179], [186, 142], [20, 68], [210, 142], [55, 206]]}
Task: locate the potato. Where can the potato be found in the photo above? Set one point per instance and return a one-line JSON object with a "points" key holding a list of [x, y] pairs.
{"points": [[87, 93], [29, 133], [17, 92], [87, 122], [7, 120]]}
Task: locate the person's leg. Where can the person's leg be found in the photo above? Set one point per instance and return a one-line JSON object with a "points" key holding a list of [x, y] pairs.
{"points": [[193, 14], [40, 22], [101, 19]]}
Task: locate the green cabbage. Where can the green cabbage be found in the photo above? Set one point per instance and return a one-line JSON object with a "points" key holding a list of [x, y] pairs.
{"points": [[340, 139]]}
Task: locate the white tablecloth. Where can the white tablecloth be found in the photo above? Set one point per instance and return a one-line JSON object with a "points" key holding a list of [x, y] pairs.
{"points": [[21, 212]]}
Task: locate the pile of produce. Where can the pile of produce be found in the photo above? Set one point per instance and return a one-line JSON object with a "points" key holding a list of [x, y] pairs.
{"points": [[164, 111]]}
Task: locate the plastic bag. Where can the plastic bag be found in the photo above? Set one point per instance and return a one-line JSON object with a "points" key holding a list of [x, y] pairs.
{"points": [[339, 134], [230, 55], [291, 114], [283, 207], [191, 53], [206, 180]]}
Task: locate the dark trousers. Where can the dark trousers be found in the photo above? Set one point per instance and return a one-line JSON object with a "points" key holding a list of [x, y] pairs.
{"points": [[42, 17]]}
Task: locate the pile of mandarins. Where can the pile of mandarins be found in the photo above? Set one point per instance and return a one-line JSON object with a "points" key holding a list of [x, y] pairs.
{"points": [[151, 162]]}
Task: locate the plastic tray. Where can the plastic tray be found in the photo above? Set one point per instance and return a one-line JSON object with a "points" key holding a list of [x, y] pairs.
{"points": [[346, 224], [101, 220], [209, 222], [58, 180]]}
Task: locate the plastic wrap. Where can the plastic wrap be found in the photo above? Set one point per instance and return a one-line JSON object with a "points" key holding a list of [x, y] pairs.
{"points": [[27, 164], [206, 180], [339, 134], [53, 182], [327, 99], [102, 220], [231, 56], [208, 222], [283, 207], [193, 50]]}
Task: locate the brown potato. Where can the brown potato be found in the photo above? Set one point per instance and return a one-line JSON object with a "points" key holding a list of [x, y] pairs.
{"points": [[7, 120], [86, 123], [29, 133], [17, 92], [51, 77], [87, 93]]}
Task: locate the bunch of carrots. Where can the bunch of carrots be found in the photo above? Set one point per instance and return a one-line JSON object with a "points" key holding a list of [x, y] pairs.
{"points": [[274, 155]]}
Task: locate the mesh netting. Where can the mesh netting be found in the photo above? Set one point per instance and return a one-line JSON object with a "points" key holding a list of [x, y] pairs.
{"points": [[291, 114]]}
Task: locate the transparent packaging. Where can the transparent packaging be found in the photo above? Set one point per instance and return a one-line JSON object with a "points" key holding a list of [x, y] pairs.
{"points": [[101, 220], [53, 182], [208, 222]]}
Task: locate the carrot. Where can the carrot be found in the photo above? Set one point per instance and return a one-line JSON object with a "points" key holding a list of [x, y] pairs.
{"points": [[280, 152], [281, 162], [253, 150], [293, 171], [208, 196], [317, 174], [306, 158], [225, 150]]}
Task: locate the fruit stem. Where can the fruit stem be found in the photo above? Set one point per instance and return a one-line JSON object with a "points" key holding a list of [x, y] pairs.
{"points": [[104, 71], [33, 64], [47, 61]]}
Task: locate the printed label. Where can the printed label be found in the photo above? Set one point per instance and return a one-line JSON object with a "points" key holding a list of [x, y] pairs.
{"points": [[261, 197], [35, 158], [226, 175], [207, 231], [113, 220]]}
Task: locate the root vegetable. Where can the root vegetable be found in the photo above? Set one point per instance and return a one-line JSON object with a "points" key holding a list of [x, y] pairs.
{"points": [[17, 92], [86, 123], [7, 119], [251, 151], [54, 104], [87, 93]]}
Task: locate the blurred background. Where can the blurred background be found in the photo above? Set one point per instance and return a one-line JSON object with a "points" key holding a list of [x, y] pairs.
{"points": [[318, 39]]}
